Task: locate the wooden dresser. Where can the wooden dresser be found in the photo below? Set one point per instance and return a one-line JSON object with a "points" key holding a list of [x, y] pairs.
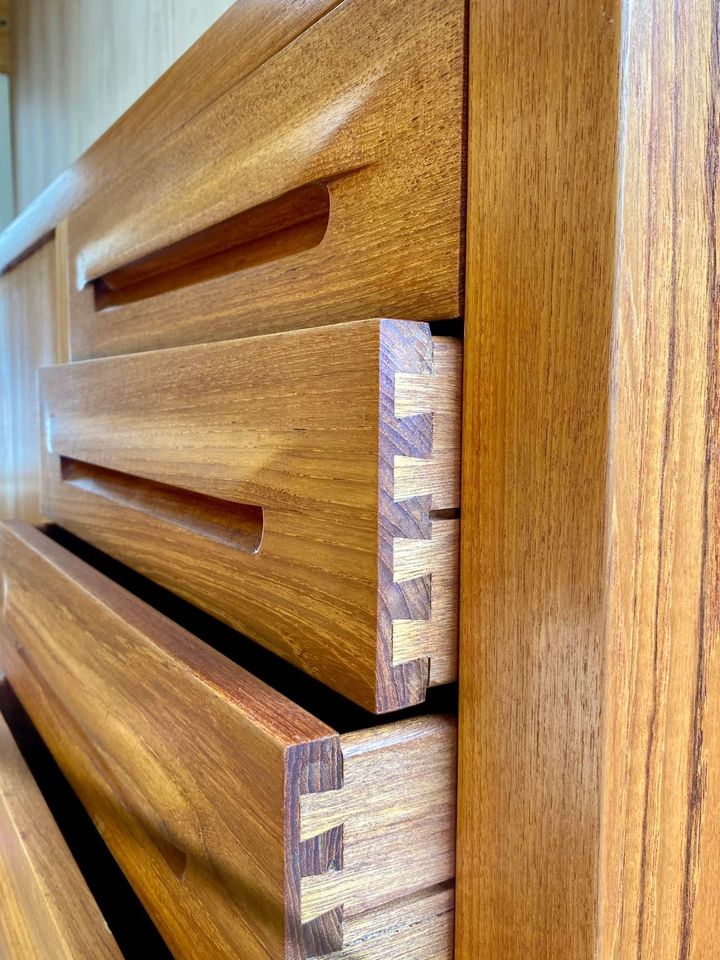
{"points": [[342, 256]]}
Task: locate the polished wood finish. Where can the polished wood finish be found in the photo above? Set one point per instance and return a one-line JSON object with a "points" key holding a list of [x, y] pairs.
{"points": [[249, 32], [195, 773], [47, 911], [367, 102], [30, 337], [288, 484], [660, 841], [589, 736]]}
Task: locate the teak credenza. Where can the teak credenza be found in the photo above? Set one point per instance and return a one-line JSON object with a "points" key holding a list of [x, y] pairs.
{"points": [[359, 553]]}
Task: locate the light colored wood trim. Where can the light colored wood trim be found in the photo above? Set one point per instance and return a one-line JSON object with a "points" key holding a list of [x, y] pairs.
{"points": [[589, 679], [47, 912]]}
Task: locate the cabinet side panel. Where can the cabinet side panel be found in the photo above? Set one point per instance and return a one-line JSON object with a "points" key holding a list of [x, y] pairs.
{"points": [[28, 340], [661, 841], [540, 269]]}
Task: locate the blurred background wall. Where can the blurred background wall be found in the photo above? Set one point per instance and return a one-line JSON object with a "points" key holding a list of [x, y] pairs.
{"points": [[7, 203], [76, 66]]}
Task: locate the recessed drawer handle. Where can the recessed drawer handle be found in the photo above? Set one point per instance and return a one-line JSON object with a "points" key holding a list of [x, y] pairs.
{"points": [[286, 225], [348, 436], [239, 525]]}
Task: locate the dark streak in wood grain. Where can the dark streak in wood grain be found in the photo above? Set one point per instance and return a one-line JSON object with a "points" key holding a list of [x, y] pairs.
{"points": [[322, 854], [650, 894], [697, 771], [669, 419]]}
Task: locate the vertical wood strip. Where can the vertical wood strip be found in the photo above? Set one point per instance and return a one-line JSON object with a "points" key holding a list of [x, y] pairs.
{"points": [[539, 300], [590, 681], [661, 771], [29, 339]]}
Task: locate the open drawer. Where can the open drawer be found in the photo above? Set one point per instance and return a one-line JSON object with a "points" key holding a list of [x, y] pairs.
{"points": [[47, 911], [248, 827], [325, 186], [302, 487]]}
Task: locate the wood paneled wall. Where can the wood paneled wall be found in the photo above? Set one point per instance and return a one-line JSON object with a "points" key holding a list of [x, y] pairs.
{"points": [[79, 64]]}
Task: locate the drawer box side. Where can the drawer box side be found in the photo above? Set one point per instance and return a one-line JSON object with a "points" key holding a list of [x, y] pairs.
{"points": [[395, 813], [419, 497]]}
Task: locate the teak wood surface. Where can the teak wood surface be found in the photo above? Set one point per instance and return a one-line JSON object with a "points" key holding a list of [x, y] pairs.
{"points": [[198, 777], [589, 667], [589, 792], [288, 484], [330, 177], [248, 34], [46, 909]]}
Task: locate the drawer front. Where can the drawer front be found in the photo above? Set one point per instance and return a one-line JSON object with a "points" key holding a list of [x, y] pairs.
{"points": [[47, 911], [325, 186], [248, 827], [296, 486]]}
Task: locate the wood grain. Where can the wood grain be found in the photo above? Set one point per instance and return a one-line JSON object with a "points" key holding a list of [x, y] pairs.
{"points": [[5, 44], [245, 36], [417, 929], [660, 841], [340, 106], [589, 760], [382, 845], [47, 913], [193, 771], [258, 479], [29, 338]]}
